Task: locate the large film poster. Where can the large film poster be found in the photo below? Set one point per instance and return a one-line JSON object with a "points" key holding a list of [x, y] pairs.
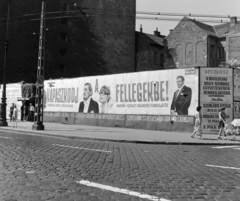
{"points": [[216, 91], [13, 92], [155, 92]]}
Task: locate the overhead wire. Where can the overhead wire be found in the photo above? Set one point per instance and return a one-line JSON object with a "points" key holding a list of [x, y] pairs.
{"points": [[137, 17], [126, 14], [185, 14], [32, 14], [179, 19], [129, 12]]}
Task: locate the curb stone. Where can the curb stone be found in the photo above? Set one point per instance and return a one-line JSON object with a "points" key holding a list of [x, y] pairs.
{"points": [[137, 141]]}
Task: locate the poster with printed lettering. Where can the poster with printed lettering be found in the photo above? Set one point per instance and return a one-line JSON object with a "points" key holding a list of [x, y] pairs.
{"points": [[155, 92], [216, 91], [236, 74], [62, 95], [13, 92]]}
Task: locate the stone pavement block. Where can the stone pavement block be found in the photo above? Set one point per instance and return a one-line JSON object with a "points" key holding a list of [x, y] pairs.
{"points": [[9, 199], [160, 170]]}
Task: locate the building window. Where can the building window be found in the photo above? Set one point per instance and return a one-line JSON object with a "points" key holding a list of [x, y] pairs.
{"points": [[155, 56], [63, 37], [221, 53], [212, 47], [62, 68], [63, 52], [63, 6], [161, 59], [64, 21]]}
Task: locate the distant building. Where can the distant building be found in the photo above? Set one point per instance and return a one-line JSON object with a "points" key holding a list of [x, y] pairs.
{"points": [[192, 43], [83, 38], [149, 51]]}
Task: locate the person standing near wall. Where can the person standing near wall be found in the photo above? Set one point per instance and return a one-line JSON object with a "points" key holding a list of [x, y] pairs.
{"points": [[15, 116], [222, 122], [31, 108], [198, 122], [11, 112], [22, 112]]}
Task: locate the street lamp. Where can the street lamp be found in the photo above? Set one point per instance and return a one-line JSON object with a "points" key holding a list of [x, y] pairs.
{"points": [[3, 120]]}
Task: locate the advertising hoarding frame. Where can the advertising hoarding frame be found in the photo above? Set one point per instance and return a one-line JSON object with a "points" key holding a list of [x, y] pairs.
{"points": [[225, 99]]}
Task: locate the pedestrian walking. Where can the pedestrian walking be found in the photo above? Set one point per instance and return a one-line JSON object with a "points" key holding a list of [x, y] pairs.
{"points": [[11, 111], [222, 122], [198, 123], [31, 108], [15, 116]]}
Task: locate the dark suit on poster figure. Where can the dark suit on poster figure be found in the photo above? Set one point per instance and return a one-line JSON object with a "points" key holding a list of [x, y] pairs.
{"points": [[181, 99], [93, 107], [90, 103]]}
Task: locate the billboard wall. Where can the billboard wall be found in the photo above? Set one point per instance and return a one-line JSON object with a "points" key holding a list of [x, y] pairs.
{"points": [[151, 93], [216, 91]]}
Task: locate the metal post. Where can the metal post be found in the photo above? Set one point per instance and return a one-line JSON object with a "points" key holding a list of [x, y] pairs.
{"points": [[38, 113], [3, 105]]}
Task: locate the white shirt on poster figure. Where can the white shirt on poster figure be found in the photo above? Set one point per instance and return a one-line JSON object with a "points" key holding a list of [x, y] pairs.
{"points": [[86, 105], [179, 90]]}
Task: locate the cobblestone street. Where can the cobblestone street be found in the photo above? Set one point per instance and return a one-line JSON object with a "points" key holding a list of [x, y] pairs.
{"points": [[47, 168]]}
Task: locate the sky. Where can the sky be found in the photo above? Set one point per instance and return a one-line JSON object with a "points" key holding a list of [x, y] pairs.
{"points": [[203, 7]]}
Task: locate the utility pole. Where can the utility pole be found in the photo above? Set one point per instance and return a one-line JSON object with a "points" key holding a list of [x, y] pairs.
{"points": [[3, 104], [38, 113]]}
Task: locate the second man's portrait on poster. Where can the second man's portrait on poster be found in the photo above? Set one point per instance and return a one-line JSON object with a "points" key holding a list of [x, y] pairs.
{"points": [[182, 98]]}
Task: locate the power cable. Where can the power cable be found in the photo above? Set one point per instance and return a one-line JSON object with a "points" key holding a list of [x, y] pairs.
{"points": [[182, 14], [116, 14], [137, 17], [179, 19], [38, 19], [127, 12], [32, 14]]}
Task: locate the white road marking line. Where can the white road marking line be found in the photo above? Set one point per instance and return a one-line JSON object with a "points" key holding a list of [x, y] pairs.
{"points": [[224, 167], [6, 137], [237, 148], [119, 190], [99, 150], [222, 147]]}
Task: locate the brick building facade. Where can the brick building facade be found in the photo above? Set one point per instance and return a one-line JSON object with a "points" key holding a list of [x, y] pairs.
{"points": [[83, 38], [149, 51], [193, 43]]}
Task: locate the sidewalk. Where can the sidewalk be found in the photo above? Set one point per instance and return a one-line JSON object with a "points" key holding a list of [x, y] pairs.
{"points": [[116, 134]]}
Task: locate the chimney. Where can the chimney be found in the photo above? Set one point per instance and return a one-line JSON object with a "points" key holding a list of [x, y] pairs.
{"points": [[233, 21], [156, 33], [141, 28]]}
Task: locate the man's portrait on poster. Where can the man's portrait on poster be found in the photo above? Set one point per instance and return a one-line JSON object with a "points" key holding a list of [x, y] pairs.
{"points": [[88, 105], [182, 98]]}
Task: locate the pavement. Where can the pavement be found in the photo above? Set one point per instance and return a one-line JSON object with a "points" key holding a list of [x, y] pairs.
{"points": [[115, 134]]}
